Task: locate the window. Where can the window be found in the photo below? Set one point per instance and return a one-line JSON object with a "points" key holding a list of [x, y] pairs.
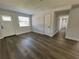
{"points": [[6, 18], [24, 21]]}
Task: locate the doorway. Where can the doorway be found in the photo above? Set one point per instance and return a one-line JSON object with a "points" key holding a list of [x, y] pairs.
{"points": [[62, 18], [63, 21], [6, 26], [47, 24]]}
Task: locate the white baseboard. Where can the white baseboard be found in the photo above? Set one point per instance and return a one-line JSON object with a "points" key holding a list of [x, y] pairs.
{"points": [[22, 33], [51, 35], [72, 38]]}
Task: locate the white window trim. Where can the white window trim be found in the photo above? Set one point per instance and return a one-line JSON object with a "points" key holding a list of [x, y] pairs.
{"points": [[21, 20]]}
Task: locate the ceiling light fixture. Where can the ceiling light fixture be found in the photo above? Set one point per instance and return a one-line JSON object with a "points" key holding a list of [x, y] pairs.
{"points": [[41, 0]]}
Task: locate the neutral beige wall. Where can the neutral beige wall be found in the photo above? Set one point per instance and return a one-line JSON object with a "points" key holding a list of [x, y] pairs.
{"points": [[15, 28], [73, 25]]}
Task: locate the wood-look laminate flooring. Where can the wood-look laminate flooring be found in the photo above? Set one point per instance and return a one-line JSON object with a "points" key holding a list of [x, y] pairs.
{"points": [[36, 46]]}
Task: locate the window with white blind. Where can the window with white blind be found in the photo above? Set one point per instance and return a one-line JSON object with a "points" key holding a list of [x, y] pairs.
{"points": [[6, 18], [24, 21]]}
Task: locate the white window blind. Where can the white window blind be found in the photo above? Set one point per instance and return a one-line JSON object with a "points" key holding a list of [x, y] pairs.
{"points": [[6, 18], [24, 21]]}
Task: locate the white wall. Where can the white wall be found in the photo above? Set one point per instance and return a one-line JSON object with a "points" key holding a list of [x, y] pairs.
{"points": [[20, 30], [15, 23], [73, 25], [38, 23]]}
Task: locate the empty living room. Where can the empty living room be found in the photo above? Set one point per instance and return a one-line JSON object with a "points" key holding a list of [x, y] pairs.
{"points": [[39, 29]]}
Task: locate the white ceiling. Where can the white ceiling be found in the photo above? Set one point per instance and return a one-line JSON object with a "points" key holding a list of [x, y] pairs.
{"points": [[34, 6]]}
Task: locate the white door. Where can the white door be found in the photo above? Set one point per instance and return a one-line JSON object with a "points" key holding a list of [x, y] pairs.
{"points": [[47, 24], [7, 26], [1, 30]]}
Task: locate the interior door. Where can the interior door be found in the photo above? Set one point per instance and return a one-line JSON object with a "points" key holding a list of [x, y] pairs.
{"points": [[47, 24], [7, 25], [1, 30]]}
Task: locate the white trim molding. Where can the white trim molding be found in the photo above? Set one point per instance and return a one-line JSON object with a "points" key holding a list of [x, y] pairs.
{"points": [[72, 38]]}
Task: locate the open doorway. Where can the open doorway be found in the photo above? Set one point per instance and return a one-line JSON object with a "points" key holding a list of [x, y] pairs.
{"points": [[61, 19]]}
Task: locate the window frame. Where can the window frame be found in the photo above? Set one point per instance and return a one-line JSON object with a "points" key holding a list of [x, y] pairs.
{"points": [[5, 17], [25, 21]]}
